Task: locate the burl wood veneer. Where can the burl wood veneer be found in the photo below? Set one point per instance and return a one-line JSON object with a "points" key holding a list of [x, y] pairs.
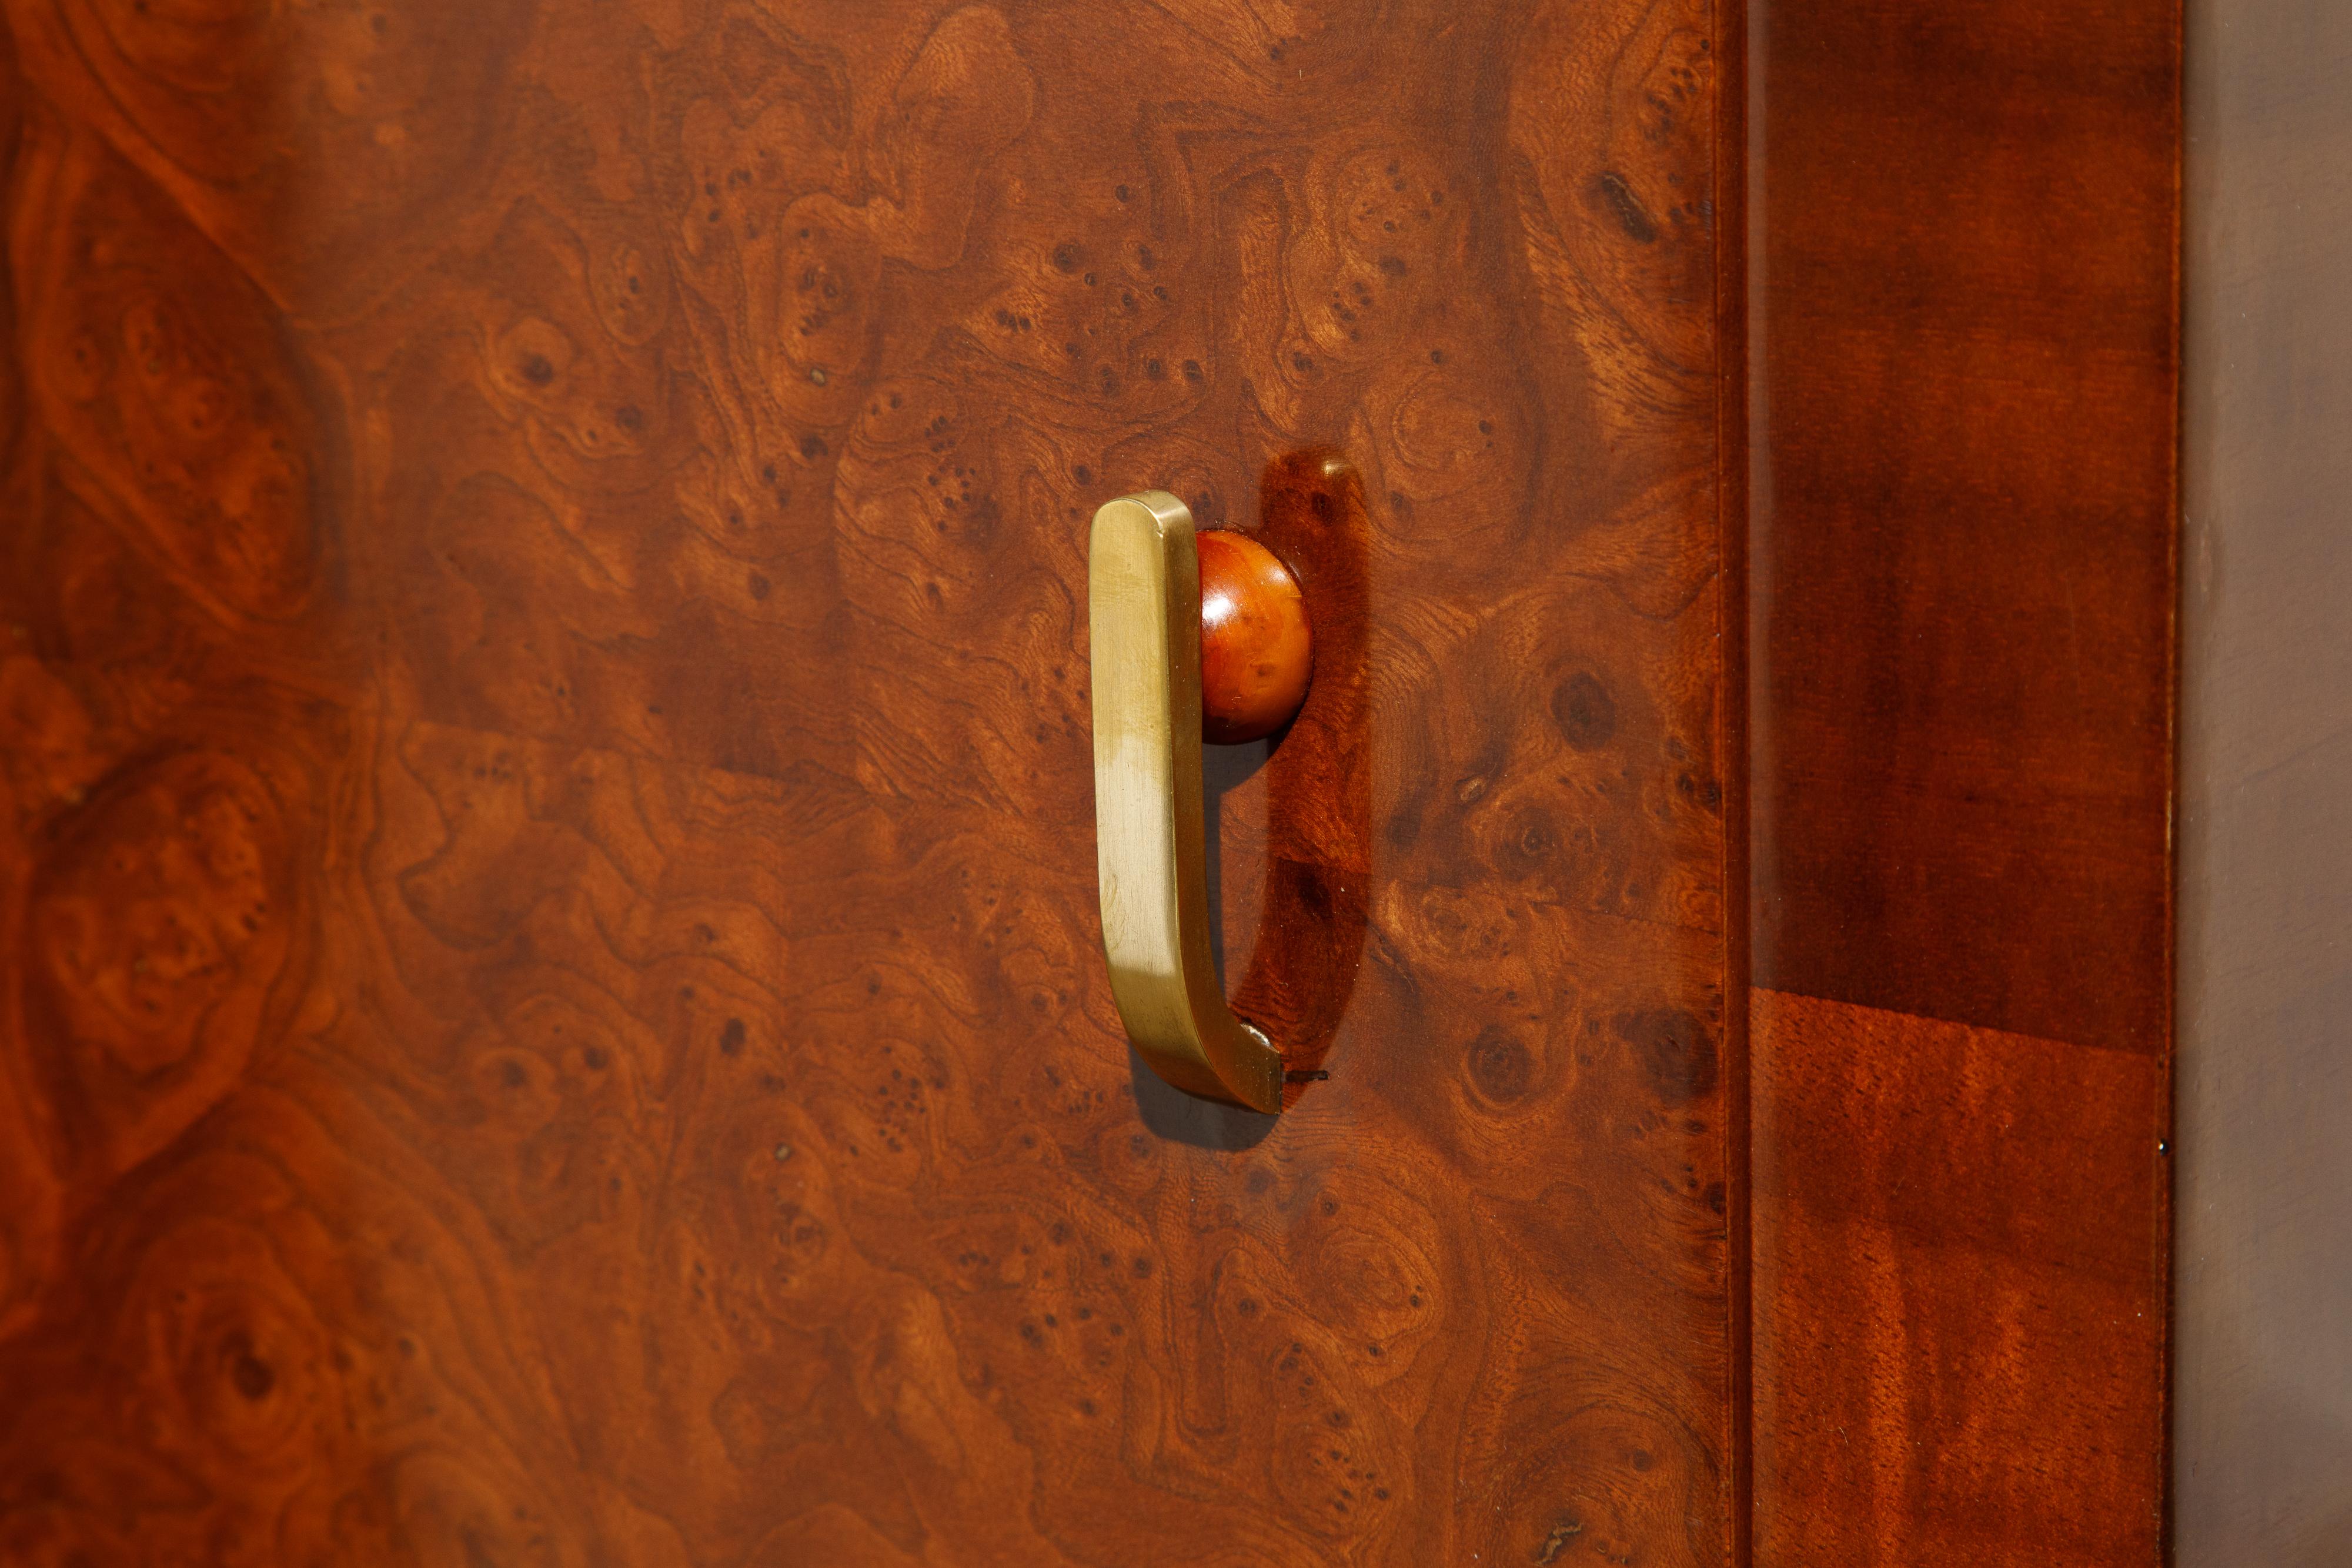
{"points": [[551, 1001]]}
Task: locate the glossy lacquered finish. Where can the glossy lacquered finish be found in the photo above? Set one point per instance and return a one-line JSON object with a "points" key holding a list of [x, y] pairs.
{"points": [[1959, 1341], [1257, 649], [1967, 335], [548, 908]]}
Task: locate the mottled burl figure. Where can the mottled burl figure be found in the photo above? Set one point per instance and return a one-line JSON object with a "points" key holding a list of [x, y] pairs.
{"points": [[553, 1010]]}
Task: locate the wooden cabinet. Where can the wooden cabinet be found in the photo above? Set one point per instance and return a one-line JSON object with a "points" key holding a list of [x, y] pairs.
{"points": [[554, 1007], [562, 1011]]}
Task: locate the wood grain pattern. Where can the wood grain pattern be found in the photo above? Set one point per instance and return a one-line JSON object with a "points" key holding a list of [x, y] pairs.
{"points": [[1966, 373], [553, 1011], [1965, 354], [1958, 1237]]}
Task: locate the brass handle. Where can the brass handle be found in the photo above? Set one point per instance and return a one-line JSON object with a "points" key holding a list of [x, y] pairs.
{"points": [[1143, 606]]}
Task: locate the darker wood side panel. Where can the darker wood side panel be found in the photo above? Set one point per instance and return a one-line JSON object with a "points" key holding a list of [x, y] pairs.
{"points": [[1966, 384], [1959, 1248], [1964, 367]]}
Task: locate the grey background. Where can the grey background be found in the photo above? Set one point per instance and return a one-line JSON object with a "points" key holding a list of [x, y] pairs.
{"points": [[2262, 1337]]}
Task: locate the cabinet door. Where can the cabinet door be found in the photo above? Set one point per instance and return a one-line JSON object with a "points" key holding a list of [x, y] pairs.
{"points": [[554, 1002]]}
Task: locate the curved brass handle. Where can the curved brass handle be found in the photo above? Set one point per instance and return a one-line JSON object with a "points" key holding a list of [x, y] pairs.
{"points": [[1143, 604]]}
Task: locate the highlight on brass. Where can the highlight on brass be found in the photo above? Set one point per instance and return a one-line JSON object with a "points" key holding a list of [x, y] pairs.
{"points": [[1144, 618]]}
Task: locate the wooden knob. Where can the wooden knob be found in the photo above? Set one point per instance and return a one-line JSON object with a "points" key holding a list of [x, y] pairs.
{"points": [[1256, 653]]}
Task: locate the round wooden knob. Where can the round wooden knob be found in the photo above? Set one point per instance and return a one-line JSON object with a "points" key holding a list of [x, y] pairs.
{"points": [[1256, 653]]}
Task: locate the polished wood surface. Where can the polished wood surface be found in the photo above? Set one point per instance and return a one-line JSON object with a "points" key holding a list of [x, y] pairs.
{"points": [[1966, 347], [1256, 647], [554, 1009], [1961, 1335], [2263, 1409], [1963, 261]]}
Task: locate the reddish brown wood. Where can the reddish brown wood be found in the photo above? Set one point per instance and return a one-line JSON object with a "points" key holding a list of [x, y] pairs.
{"points": [[1733, 499], [553, 1006], [1968, 349], [1256, 648], [1297, 850], [1959, 1268], [1965, 383]]}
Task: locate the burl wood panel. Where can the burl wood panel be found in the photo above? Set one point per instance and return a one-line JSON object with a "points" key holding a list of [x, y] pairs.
{"points": [[1965, 351], [554, 1009], [1966, 1350]]}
